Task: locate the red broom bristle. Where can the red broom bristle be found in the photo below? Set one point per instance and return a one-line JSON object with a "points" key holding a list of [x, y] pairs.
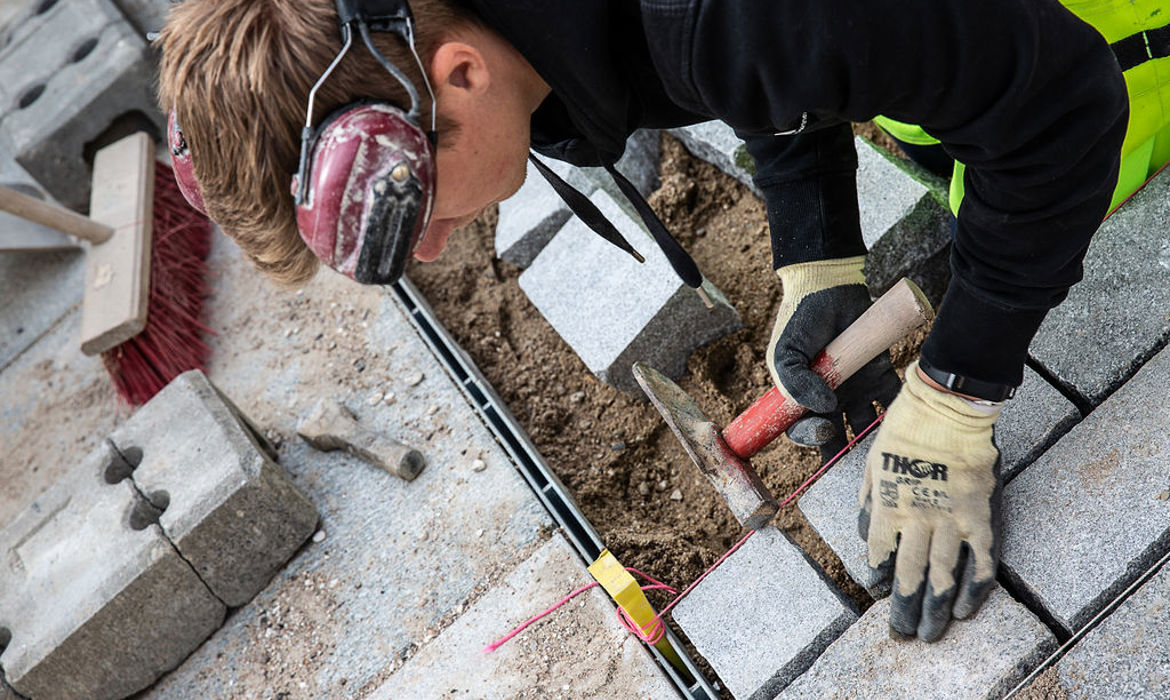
{"points": [[172, 342]]}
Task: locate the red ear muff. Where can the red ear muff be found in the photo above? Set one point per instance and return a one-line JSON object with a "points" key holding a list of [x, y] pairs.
{"points": [[182, 164], [365, 191]]}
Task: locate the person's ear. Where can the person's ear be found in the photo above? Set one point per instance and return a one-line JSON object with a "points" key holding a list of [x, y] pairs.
{"points": [[460, 66]]}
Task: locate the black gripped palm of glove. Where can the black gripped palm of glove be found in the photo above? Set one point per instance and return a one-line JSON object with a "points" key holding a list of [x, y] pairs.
{"points": [[930, 508], [821, 299]]}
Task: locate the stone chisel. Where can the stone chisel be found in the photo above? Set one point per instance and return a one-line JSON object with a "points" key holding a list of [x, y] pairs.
{"points": [[722, 455]]}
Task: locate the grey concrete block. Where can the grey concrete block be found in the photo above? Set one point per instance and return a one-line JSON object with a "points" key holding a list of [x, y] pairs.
{"points": [[233, 513], [905, 227], [716, 143], [1085, 519], [1034, 419], [982, 657], [147, 16], [614, 311], [79, 71], [764, 615], [544, 661], [1115, 318], [528, 219], [98, 603], [1128, 654]]}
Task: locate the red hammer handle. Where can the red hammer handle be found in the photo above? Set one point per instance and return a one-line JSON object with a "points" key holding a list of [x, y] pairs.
{"points": [[900, 310]]}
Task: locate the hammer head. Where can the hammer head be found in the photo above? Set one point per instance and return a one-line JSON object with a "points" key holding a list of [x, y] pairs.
{"points": [[733, 477]]}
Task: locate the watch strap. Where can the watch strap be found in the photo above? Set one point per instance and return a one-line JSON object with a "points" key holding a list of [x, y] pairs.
{"points": [[989, 391]]}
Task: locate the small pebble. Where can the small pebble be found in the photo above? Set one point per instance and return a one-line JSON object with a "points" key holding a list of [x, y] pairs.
{"points": [[644, 488], [287, 332], [432, 410], [676, 495], [577, 396], [479, 532], [478, 465], [1164, 496], [360, 366], [332, 345], [415, 379], [319, 536], [618, 446], [662, 485], [390, 398], [375, 398]]}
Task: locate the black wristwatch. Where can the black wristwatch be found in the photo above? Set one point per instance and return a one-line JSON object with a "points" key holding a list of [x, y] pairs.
{"points": [[988, 391]]}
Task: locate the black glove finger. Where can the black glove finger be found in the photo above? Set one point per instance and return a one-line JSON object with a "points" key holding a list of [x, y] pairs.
{"points": [[805, 386], [911, 563], [971, 593], [936, 607], [812, 431], [875, 381]]}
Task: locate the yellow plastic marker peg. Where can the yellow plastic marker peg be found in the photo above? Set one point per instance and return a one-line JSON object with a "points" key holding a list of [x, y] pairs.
{"points": [[626, 592]]}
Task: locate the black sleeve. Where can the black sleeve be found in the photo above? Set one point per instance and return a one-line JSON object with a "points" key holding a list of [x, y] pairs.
{"points": [[1029, 97]]}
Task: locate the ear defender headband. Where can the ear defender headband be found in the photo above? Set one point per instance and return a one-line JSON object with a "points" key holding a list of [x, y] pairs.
{"points": [[365, 185]]}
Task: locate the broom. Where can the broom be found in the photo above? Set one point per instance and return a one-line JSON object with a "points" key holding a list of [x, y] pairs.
{"points": [[141, 228]]}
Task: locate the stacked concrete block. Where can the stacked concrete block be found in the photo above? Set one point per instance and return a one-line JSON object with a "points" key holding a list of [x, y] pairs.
{"points": [[982, 657], [764, 615], [1092, 512], [78, 72], [147, 16], [1116, 317], [1128, 654], [1034, 419], [529, 219], [614, 311], [97, 601], [904, 224], [232, 512]]}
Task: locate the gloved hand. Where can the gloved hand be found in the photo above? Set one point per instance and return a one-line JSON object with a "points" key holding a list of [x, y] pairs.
{"points": [[820, 300], [930, 507]]}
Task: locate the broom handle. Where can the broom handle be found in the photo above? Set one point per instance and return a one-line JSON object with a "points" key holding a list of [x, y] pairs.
{"points": [[53, 216]]}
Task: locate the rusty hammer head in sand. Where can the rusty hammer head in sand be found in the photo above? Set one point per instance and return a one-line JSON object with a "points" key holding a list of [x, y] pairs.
{"points": [[722, 455]]}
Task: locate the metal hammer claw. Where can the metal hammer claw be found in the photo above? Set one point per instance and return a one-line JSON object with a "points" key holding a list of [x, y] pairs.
{"points": [[722, 455]]}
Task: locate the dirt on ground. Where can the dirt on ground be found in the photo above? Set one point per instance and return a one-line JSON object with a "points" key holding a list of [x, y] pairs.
{"points": [[629, 475]]}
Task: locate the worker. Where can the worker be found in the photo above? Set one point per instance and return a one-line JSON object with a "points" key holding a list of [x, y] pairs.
{"points": [[1027, 96]]}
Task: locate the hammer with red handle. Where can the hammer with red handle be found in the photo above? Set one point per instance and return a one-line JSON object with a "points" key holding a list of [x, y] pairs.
{"points": [[722, 455]]}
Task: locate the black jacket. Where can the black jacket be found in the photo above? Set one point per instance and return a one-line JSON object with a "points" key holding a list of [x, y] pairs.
{"points": [[1030, 98]]}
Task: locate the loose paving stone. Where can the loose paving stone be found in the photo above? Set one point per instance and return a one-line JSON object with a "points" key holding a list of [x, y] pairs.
{"points": [[79, 67], [981, 657], [528, 219], [614, 311], [1034, 419], [1117, 316], [716, 143], [1085, 520], [764, 615], [402, 559], [1128, 654], [97, 601], [905, 227], [232, 512], [549, 659]]}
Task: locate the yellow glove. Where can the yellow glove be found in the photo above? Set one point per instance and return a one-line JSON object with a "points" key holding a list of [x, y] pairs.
{"points": [[930, 507], [820, 300]]}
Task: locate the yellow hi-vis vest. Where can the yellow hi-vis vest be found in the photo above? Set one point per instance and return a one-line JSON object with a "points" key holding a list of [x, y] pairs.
{"points": [[1124, 24]]}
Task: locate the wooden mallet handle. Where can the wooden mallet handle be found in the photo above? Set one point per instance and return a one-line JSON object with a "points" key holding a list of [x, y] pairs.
{"points": [[897, 312]]}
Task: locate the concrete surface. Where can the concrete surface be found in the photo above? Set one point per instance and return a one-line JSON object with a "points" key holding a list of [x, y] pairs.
{"points": [[81, 67], [232, 512], [1127, 655], [1090, 514], [1034, 419], [146, 15], [1117, 316], [98, 602], [614, 311], [764, 615], [983, 657], [395, 563], [548, 660]]}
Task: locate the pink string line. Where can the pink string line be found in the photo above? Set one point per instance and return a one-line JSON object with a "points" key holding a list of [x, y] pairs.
{"points": [[653, 631]]}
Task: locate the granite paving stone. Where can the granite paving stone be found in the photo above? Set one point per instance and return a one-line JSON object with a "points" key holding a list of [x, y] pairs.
{"points": [[1128, 654], [528, 220], [982, 657], [614, 311], [1034, 419], [1084, 520], [97, 601], [1117, 316], [546, 660], [764, 615]]}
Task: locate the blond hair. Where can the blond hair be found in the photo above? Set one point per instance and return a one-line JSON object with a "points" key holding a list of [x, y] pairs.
{"points": [[238, 75]]}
